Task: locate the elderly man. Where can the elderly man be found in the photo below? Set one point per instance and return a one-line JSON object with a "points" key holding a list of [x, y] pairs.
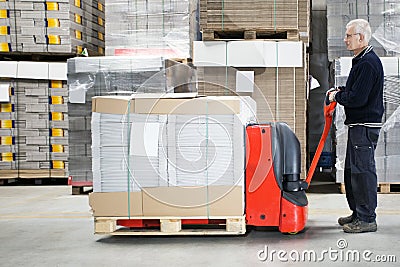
{"points": [[362, 99]]}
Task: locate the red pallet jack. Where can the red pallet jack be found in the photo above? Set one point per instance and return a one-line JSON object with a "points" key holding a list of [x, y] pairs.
{"points": [[275, 194]]}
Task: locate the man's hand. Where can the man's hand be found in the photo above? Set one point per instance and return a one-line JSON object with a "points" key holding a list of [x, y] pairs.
{"points": [[331, 93], [332, 96]]}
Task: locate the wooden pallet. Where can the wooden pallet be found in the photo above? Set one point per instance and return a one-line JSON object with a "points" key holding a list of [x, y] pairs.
{"points": [[8, 174], [235, 225], [44, 56], [387, 188], [6, 181], [44, 173], [255, 34], [383, 188], [80, 188]]}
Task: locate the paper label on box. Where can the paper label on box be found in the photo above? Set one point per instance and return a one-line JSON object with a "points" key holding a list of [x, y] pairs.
{"points": [[57, 71], [245, 81], [314, 83], [144, 139], [33, 70], [77, 94], [8, 69], [4, 92]]}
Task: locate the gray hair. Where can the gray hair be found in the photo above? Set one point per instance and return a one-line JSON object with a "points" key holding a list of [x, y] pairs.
{"points": [[361, 26]]}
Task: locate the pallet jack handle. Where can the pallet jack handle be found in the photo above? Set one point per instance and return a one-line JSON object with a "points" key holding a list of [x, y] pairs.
{"points": [[329, 108]]}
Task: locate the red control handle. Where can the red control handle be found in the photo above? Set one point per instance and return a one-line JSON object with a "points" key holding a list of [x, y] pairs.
{"points": [[328, 113]]}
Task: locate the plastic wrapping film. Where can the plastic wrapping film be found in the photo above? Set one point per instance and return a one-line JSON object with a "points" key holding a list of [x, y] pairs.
{"points": [[388, 32], [137, 27], [384, 19], [123, 75], [94, 76], [387, 153]]}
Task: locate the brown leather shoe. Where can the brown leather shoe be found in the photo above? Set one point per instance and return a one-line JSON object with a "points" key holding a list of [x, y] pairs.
{"points": [[344, 220], [358, 226]]}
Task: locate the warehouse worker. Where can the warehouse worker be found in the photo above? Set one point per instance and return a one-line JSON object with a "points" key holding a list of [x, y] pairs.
{"points": [[362, 99]]}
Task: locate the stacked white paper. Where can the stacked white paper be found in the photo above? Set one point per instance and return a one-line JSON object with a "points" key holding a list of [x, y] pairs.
{"points": [[168, 150], [137, 27]]}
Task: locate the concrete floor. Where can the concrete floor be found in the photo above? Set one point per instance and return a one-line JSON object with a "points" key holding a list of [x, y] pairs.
{"points": [[47, 226]]}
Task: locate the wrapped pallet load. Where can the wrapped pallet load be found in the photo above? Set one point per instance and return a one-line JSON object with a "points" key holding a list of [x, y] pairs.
{"points": [[163, 155]]}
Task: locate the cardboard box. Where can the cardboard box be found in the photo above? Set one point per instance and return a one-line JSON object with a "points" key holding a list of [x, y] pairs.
{"points": [[57, 71], [112, 104], [33, 70], [8, 69], [171, 201], [258, 53], [195, 106], [210, 53], [193, 201], [163, 104], [238, 15], [116, 204]]}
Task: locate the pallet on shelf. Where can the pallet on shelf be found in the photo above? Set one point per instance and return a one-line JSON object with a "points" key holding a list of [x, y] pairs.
{"points": [[80, 187], [8, 174], [6, 181], [33, 174], [250, 34], [215, 225], [383, 188]]}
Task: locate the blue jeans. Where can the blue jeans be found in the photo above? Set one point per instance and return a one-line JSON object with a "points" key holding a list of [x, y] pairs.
{"points": [[360, 177]]}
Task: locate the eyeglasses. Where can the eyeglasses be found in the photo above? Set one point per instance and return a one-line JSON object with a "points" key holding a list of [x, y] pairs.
{"points": [[347, 36]]}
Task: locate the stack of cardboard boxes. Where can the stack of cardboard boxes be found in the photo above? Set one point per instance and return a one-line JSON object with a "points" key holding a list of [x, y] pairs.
{"points": [[291, 17], [61, 26], [34, 120], [36, 114], [271, 67], [140, 35]]}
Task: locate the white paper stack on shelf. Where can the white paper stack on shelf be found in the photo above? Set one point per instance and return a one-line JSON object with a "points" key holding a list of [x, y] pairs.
{"points": [[387, 153], [60, 26], [34, 121], [164, 28], [177, 142]]}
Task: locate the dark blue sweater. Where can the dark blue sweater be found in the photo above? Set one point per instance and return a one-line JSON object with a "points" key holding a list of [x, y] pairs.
{"points": [[362, 97]]}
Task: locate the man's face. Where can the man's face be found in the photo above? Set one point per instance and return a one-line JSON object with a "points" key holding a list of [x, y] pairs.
{"points": [[353, 40]]}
